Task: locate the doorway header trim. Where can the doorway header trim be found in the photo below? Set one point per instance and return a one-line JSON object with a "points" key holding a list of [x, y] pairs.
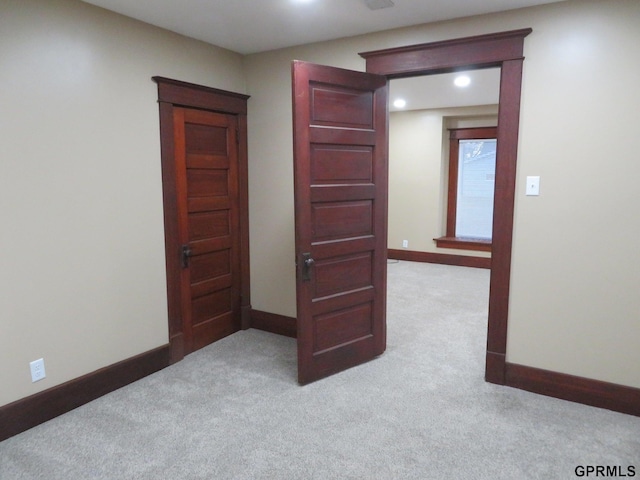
{"points": [[480, 51]]}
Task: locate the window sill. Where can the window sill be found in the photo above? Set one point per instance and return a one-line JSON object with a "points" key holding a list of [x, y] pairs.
{"points": [[479, 244]]}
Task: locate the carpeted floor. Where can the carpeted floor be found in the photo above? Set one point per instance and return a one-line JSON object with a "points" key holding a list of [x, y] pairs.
{"points": [[421, 411]]}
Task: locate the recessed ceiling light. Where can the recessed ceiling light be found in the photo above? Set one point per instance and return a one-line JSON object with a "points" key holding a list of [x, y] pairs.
{"points": [[400, 103], [462, 81]]}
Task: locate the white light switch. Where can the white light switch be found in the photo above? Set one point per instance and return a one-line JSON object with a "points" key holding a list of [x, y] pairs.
{"points": [[533, 185]]}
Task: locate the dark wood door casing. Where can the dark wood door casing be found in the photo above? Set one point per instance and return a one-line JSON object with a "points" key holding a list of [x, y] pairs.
{"points": [[504, 50], [173, 94]]}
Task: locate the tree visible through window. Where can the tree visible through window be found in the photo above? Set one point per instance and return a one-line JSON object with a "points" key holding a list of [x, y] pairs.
{"points": [[472, 168]]}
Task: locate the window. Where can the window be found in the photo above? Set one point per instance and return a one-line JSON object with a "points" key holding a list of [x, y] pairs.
{"points": [[472, 169]]}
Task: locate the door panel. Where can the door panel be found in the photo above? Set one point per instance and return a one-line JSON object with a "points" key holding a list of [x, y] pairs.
{"points": [[207, 173], [340, 137], [341, 164]]}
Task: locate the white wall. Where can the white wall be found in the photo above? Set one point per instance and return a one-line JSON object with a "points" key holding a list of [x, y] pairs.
{"points": [[575, 271], [418, 173], [82, 278]]}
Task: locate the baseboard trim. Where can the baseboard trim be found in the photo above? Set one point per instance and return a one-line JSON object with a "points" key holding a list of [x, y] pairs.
{"points": [[28, 412], [611, 396], [274, 323], [440, 258]]}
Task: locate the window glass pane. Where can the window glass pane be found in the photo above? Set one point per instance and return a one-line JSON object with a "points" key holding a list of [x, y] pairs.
{"points": [[476, 180]]}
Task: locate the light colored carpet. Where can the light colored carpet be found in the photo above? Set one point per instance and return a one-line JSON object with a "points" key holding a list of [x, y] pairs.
{"points": [[421, 411]]}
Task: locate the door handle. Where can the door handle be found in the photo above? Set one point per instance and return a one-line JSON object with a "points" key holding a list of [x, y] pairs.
{"points": [[307, 263], [186, 253]]}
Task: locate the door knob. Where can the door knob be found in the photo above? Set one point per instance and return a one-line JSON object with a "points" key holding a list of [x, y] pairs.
{"points": [[307, 263], [186, 253]]}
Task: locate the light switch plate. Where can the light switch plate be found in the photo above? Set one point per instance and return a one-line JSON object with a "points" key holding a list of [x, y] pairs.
{"points": [[533, 185]]}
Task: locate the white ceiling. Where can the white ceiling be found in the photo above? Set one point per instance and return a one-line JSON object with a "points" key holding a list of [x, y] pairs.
{"points": [[250, 26], [439, 91]]}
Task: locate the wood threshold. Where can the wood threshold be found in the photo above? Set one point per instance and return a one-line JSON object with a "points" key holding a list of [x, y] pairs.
{"points": [[440, 258], [31, 411], [274, 323], [595, 393]]}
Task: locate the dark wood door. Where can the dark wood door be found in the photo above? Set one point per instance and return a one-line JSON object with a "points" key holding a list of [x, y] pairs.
{"points": [[206, 158], [340, 162]]}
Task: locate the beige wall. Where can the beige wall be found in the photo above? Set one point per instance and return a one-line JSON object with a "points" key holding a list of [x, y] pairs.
{"points": [[575, 273], [418, 173], [82, 280]]}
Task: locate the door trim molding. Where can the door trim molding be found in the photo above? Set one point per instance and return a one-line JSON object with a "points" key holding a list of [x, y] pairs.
{"points": [[174, 93], [505, 50]]}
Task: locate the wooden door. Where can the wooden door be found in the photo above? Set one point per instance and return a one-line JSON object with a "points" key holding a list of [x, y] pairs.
{"points": [[340, 163], [206, 159]]}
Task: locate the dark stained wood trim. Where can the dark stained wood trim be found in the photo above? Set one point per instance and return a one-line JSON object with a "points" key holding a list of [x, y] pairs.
{"points": [[440, 258], [274, 323], [174, 93], [243, 179], [198, 96], [176, 346], [460, 243], [495, 368], [618, 398], [503, 50], [452, 188], [472, 133], [480, 51], [503, 206], [28, 412], [245, 317], [171, 231]]}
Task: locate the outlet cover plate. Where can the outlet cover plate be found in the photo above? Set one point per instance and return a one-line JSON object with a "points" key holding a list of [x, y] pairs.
{"points": [[37, 370]]}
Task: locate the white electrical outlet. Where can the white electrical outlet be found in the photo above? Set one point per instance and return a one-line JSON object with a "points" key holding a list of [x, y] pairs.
{"points": [[405, 243], [37, 370]]}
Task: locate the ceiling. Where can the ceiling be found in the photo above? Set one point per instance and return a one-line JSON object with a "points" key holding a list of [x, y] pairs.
{"points": [[439, 91], [251, 26]]}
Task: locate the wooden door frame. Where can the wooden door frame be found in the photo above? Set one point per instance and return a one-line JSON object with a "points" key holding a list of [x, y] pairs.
{"points": [[504, 50], [174, 93]]}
